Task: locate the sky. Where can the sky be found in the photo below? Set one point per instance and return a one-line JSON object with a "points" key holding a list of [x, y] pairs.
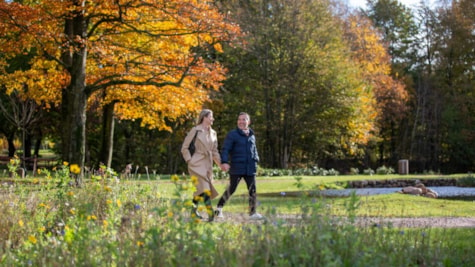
{"points": [[407, 3]]}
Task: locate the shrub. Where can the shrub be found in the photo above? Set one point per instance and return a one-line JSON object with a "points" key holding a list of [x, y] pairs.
{"points": [[468, 181], [368, 171], [384, 170]]}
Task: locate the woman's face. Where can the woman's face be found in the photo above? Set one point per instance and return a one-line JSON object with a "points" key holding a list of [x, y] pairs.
{"points": [[208, 120]]}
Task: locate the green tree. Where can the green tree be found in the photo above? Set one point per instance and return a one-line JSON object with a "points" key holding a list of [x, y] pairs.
{"points": [[298, 81]]}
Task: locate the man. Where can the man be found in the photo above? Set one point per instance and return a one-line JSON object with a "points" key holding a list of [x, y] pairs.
{"points": [[239, 157]]}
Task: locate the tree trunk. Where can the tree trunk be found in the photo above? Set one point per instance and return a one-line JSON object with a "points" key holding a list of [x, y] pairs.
{"points": [[107, 135], [11, 145], [74, 97]]}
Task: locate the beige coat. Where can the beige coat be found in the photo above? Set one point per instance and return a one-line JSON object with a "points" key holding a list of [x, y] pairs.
{"points": [[201, 164]]}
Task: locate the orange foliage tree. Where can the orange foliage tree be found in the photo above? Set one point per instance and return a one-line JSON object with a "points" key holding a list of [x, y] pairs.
{"points": [[148, 57], [372, 56]]}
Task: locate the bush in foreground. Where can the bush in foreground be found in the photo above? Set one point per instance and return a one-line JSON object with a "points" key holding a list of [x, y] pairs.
{"points": [[113, 223]]}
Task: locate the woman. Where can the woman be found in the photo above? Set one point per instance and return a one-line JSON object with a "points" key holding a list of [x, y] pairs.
{"points": [[200, 164]]}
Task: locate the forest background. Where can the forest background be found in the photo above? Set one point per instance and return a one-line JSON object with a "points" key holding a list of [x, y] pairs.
{"points": [[119, 82]]}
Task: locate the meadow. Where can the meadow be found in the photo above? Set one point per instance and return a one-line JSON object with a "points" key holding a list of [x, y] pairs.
{"points": [[146, 222]]}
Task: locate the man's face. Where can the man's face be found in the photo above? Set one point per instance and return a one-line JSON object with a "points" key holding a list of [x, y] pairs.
{"points": [[243, 122]]}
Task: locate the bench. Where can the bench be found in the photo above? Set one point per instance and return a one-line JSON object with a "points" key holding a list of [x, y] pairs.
{"points": [[32, 162]]}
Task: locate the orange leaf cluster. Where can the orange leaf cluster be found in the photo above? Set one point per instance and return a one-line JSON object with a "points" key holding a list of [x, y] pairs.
{"points": [[142, 55]]}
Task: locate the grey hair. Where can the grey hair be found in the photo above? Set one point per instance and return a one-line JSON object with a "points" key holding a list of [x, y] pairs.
{"points": [[204, 113], [246, 114]]}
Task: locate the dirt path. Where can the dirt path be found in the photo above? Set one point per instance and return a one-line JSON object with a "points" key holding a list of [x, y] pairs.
{"points": [[427, 222]]}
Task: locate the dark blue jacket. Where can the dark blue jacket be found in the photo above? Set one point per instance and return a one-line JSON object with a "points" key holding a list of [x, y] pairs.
{"points": [[240, 152]]}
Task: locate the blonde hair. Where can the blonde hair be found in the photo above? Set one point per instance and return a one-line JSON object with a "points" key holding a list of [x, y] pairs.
{"points": [[204, 113]]}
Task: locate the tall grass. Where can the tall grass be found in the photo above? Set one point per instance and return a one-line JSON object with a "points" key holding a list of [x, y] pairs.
{"points": [[111, 223]]}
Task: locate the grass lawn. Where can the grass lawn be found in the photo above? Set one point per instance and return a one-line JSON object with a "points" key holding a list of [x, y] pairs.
{"points": [[387, 205]]}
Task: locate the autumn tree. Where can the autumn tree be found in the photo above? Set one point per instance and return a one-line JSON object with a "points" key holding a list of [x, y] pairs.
{"points": [[390, 94], [296, 78], [144, 57]]}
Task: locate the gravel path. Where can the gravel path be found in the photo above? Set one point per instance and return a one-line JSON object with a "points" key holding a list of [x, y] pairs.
{"points": [[428, 222]]}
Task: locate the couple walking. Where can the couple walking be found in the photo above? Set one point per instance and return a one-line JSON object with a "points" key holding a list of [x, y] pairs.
{"points": [[238, 157]]}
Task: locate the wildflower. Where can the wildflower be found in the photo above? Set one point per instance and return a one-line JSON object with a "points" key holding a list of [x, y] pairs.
{"points": [[140, 244], [70, 193], [198, 198], [72, 211], [170, 214], [91, 218], [20, 222], [39, 171], [65, 163], [105, 223], [207, 192], [109, 201], [41, 229], [175, 178], [107, 188], [136, 206], [119, 203], [194, 180], [42, 205], [74, 168], [282, 193], [32, 239], [321, 187]]}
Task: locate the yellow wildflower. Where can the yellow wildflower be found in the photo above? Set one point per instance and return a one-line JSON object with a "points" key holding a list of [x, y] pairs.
{"points": [[72, 211], [109, 201], [140, 244], [65, 163], [207, 192], [39, 171], [70, 193], [194, 180], [188, 203], [175, 178], [74, 168], [170, 214], [105, 223], [119, 203], [20, 222], [41, 229], [107, 188], [32, 239]]}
